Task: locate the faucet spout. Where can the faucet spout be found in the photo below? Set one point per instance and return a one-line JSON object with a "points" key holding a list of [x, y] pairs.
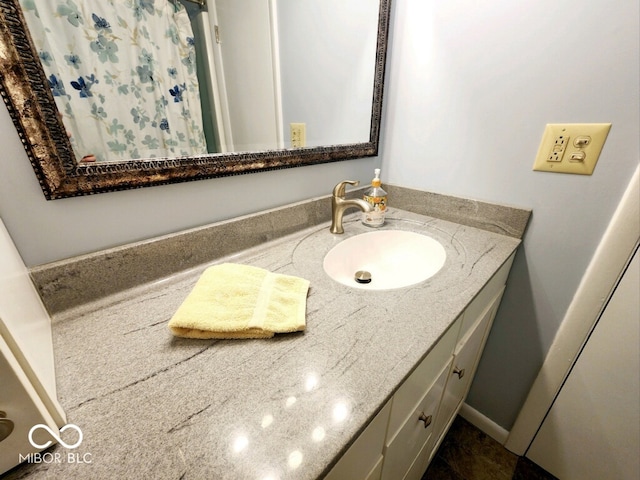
{"points": [[339, 204]]}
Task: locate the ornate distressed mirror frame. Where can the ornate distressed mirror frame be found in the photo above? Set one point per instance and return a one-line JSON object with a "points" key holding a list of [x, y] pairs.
{"points": [[26, 93]]}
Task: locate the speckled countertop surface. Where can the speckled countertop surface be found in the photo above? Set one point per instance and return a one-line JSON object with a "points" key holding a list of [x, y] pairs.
{"points": [[154, 406]]}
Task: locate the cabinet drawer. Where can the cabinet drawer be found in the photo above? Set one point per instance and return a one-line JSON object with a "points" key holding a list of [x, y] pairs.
{"points": [[421, 379], [402, 449], [484, 299], [364, 456]]}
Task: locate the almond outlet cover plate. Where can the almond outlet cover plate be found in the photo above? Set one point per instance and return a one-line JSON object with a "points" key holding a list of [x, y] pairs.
{"points": [[298, 133], [571, 147]]}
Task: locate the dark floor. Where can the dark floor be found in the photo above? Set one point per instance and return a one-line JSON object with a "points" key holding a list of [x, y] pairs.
{"points": [[466, 453]]}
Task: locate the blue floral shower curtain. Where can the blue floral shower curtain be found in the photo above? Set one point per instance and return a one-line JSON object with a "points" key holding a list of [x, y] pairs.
{"points": [[123, 74]]}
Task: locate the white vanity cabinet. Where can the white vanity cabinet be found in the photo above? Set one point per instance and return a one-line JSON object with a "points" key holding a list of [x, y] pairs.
{"points": [[422, 409]]}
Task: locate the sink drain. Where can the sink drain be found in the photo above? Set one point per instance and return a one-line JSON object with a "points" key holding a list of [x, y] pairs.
{"points": [[362, 276]]}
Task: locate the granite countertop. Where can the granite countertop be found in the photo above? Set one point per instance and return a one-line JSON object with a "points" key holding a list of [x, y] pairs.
{"points": [[151, 405]]}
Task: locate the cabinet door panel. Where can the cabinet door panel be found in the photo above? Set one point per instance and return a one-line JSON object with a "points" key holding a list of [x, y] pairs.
{"points": [[403, 448], [485, 297], [413, 389], [465, 361]]}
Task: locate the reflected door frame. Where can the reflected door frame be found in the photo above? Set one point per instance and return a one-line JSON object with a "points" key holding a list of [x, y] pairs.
{"points": [[250, 105]]}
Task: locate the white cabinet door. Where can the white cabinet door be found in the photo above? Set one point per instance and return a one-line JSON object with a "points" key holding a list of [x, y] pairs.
{"points": [[465, 361], [593, 428]]}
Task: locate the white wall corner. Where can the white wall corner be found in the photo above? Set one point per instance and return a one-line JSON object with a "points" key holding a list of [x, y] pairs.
{"points": [[485, 424], [596, 286]]}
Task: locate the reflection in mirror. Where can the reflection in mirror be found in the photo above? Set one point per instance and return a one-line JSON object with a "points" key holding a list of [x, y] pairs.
{"points": [[152, 92], [123, 75], [287, 62]]}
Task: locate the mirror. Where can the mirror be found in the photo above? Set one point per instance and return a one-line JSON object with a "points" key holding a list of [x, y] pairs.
{"points": [[318, 134]]}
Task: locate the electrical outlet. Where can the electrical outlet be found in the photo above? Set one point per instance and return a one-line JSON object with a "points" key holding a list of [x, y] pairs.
{"points": [[558, 148], [298, 135], [571, 147]]}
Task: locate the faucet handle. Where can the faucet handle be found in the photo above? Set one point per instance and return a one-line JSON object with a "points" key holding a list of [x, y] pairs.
{"points": [[338, 190]]}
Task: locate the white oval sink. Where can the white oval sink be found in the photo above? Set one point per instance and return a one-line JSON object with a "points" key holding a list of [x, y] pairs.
{"points": [[393, 258]]}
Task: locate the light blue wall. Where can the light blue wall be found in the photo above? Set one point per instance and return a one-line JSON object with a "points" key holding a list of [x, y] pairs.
{"points": [[471, 87]]}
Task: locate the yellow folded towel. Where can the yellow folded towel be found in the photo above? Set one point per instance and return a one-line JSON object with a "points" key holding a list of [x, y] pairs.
{"points": [[241, 301]]}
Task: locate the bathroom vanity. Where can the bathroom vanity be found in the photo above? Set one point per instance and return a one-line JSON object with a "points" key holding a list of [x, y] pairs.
{"points": [[367, 391], [401, 440]]}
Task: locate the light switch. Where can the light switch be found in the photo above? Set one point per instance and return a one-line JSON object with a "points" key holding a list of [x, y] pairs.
{"points": [[571, 147], [298, 135]]}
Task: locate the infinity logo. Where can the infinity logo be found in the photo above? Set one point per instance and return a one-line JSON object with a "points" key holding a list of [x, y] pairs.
{"points": [[53, 434]]}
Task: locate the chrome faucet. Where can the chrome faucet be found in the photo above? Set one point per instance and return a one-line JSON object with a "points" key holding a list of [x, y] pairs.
{"points": [[339, 204]]}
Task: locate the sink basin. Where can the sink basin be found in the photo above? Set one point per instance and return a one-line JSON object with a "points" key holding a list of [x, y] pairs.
{"points": [[384, 260]]}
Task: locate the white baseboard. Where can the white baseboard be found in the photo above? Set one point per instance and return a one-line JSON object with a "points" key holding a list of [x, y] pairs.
{"points": [[483, 423]]}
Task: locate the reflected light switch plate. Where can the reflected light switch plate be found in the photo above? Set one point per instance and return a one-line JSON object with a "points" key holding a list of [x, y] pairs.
{"points": [[571, 147], [298, 135]]}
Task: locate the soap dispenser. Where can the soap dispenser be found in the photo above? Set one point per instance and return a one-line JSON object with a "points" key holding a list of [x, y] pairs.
{"points": [[377, 197]]}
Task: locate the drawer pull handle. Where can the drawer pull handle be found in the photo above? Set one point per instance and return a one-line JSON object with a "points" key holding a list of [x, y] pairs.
{"points": [[426, 419], [459, 372]]}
